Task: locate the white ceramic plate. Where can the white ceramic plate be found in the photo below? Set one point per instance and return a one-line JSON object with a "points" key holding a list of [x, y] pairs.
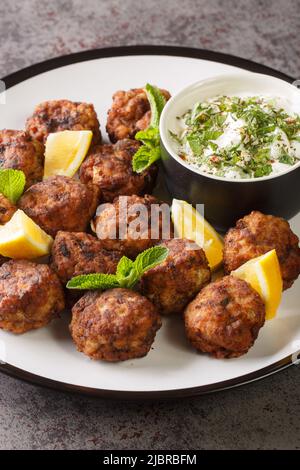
{"points": [[172, 368]]}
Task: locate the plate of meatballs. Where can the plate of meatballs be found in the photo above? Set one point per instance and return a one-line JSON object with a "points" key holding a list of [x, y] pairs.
{"points": [[179, 327]]}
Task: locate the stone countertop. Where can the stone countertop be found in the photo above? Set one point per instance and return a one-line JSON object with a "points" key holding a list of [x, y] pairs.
{"points": [[261, 415]]}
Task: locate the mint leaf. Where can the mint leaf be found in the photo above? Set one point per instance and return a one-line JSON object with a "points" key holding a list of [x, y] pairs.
{"points": [[150, 151], [93, 281], [150, 258], [149, 136], [126, 273], [12, 184], [145, 157], [157, 102]]}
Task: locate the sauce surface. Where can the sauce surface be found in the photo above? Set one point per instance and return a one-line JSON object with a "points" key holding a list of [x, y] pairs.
{"points": [[239, 137]]}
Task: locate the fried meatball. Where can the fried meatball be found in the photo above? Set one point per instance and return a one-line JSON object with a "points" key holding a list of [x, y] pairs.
{"points": [[20, 152], [61, 115], [125, 225], [80, 253], [110, 168], [59, 203], [114, 325], [225, 318], [174, 283], [30, 296], [7, 209], [129, 113], [258, 233]]}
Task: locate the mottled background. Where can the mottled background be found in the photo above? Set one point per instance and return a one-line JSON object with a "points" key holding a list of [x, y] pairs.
{"points": [[262, 415]]}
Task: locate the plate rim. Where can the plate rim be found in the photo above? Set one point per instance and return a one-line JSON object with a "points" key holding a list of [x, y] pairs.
{"points": [[119, 51]]}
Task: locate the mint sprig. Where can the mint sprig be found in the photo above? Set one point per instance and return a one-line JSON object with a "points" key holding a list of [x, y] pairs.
{"points": [[127, 274], [12, 184], [149, 152]]}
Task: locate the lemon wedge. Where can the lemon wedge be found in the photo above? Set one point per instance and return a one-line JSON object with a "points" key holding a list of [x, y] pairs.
{"points": [[263, 274], [21, 237], [65, 151], [189, 223]]}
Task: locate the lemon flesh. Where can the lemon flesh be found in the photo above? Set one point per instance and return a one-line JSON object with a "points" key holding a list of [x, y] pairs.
{"points": [[22, 238], [263, 274], [65, 151], [189, 223]]}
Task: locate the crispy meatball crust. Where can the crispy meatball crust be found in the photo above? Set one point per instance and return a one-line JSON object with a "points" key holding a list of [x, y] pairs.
{"points": [[258, 233], [225, 318], [110, 168], [61, 115], [80, 253], [137, 236], [114, 325], [174, 283], [129, 113], [59, 203], [30, 296], [7, 209], [20, 152]]}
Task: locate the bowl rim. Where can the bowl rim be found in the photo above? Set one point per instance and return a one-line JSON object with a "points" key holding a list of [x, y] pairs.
{"points": [[228, 76]]}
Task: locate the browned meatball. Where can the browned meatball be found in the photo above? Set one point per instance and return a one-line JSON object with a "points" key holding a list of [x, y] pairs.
{"points": [[59, 203], [7, 209], [174, 283], [125, 225], [20, 152], [129, 113], [61, 115], [80, 253], [114, 325], [258, 233], [225, 318], [30, 296], [110, 168]]}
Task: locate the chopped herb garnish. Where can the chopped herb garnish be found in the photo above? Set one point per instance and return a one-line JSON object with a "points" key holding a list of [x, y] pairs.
{"points": [[238, 137]]}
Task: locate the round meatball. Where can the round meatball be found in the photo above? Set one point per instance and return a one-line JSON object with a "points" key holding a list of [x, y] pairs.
{"points": [[258, 233], [61, 115], [60, 203], [80, 253], [129, 113], [225, 318], [30, 296], [114, 325], [7, 209], [132, 224], [110, 168], [174, 283], [20, 152]]}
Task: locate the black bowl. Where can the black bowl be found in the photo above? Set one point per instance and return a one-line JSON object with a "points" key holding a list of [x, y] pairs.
{"points": [[227, 200]]}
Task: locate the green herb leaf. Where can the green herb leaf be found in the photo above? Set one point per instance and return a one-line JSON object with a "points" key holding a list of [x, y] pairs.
{"points": [[149, 136], [150, 258], [150, 151], [144, 157], [287, 159], [126, 273], [157, 102], [93, 281], [12, 183]]}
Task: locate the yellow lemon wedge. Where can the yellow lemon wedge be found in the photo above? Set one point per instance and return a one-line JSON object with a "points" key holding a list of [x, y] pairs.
{"points": [[21, 237], [65, 151], [189, 223], [263, 274]]}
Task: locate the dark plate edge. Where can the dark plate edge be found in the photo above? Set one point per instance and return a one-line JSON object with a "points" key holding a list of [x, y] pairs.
{"points": [[37, 69]]}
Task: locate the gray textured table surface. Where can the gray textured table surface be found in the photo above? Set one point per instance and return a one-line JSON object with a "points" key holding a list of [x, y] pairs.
{"points": [[261, 415]]}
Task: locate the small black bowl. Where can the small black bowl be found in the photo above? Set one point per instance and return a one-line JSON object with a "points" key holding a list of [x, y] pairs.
{"points": [[227, 200]]}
